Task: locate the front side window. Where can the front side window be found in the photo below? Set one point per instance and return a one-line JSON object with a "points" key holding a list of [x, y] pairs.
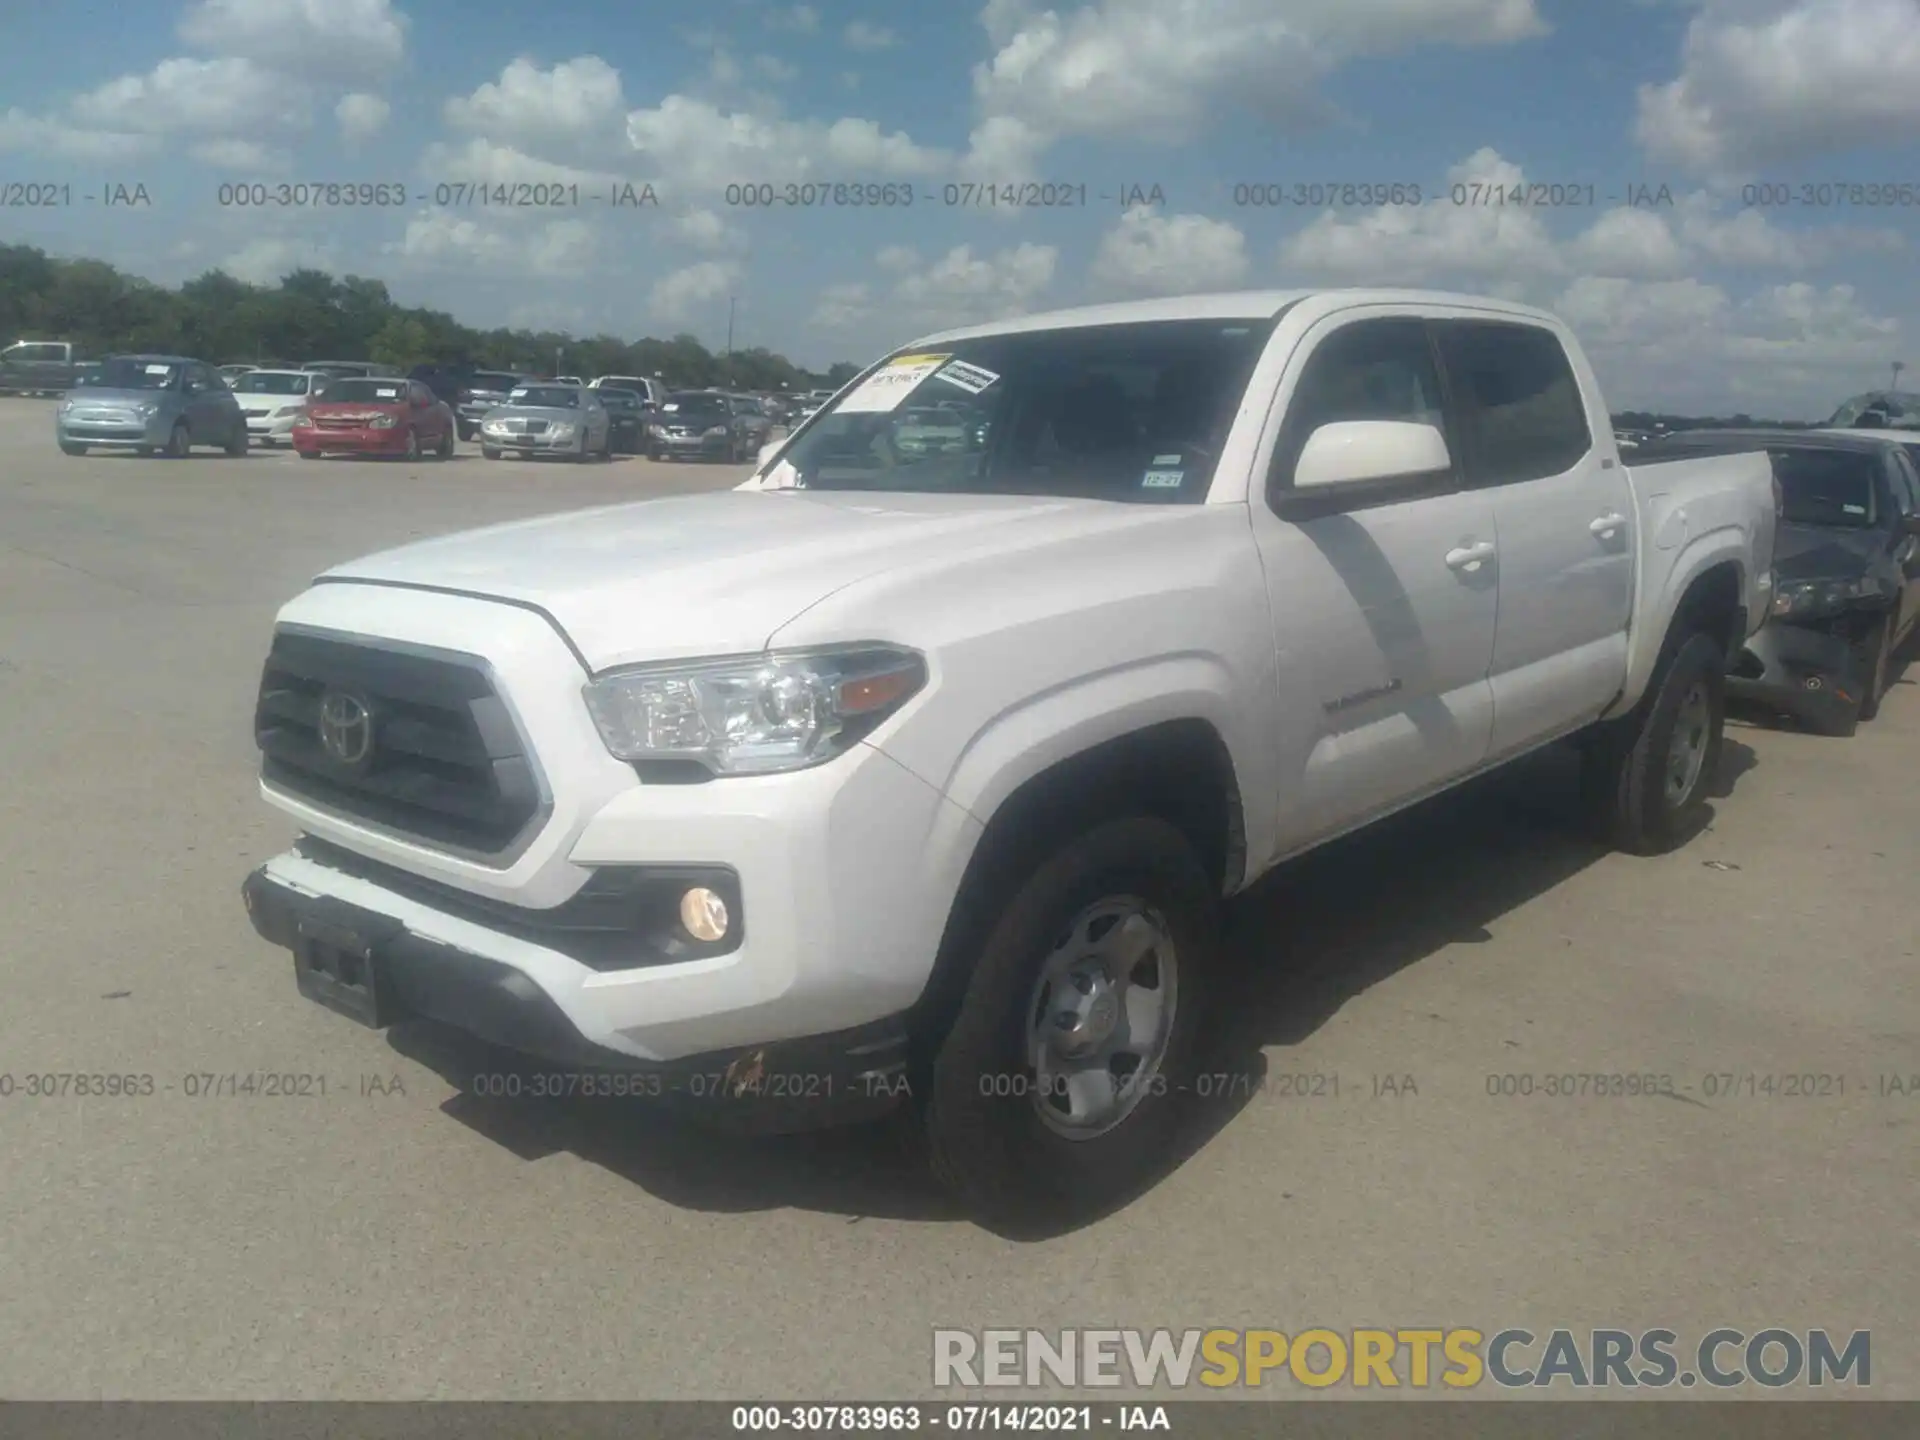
{"points": [[1522, 414], [1134, 413], [1368, 370]]}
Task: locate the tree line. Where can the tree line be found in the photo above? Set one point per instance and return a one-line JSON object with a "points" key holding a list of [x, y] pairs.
{"points": [[311, 315]]}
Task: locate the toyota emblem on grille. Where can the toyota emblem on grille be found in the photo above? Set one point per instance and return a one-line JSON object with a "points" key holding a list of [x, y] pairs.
{"points": [[346, 727]]}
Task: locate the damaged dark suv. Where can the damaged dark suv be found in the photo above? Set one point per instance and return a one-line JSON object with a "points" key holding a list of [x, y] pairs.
{"points": [[1846, 573]]}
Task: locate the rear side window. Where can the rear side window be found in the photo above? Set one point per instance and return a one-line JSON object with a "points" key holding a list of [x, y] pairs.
{"points": [[1521, 413]]}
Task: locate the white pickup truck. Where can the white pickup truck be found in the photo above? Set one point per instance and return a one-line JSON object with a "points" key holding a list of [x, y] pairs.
{"points": [[916, 778]]}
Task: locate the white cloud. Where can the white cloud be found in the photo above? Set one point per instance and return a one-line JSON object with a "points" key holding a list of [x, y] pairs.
{"points": [[705, 230], [361, 116], [1152, 254], [482, 162], [265, 260], [957, 288], [340, 39], [564, 248], [448, 238], [1158, 70], [863, 35], [21, 131], [1785, 80], [802, 19], [242, 155], [678, 296], [702, 147], [574, 100], [227, 96]]}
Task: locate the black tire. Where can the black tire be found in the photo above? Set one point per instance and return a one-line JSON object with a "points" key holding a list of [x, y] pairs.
{"points": [[67, 448], [994, 1151], [309, 454], [468, 432], [411, 454], [179, 443], [237, 441], [1877, 658], [445, 448], [1626, 767], [489, 452]]}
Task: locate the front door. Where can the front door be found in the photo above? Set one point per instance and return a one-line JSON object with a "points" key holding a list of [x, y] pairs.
{"points": [[1382, 598]]}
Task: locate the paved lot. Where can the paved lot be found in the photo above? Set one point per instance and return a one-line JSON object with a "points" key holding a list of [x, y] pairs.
{"points": [[426, 1244]]}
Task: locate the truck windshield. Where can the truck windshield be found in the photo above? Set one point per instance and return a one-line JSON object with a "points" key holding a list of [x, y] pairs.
{"points": [[1133, 413], [1832, 489]]}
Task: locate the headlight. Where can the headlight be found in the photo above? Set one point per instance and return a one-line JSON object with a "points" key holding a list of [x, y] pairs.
{"points": [[656, 431], [754, 714], [1813, 597], [716, 430], [561, 432], [286, 410], [144, 408], [383, 422]]}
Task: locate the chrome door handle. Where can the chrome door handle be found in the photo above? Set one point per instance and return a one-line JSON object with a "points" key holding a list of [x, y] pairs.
{"points": [[1470, 557], [1606, 525]]}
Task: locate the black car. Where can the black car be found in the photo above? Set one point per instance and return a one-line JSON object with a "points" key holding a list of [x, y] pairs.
{"points": [[449, 383], [630, 414], [700, 425], [1846, 573]]}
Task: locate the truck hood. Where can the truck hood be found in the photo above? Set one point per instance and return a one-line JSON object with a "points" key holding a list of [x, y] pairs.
{"points": [[719, 573], [1819, 552]]}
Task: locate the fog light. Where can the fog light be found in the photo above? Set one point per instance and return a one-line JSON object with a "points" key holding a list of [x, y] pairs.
{"points": [[704, 914]]}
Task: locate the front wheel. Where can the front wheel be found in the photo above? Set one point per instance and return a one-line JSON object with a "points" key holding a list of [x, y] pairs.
{"points": [[490, 452], [1057, 1093], [179, 443], [237, 441], [1647, 775], [413, 446], [68, 448]]}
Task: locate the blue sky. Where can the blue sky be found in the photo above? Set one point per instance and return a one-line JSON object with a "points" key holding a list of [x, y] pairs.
{"points": [[1702, 301]]}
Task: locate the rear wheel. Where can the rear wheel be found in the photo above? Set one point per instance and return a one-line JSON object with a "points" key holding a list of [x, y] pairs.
{"points": [[1877, 667], [1057, 1093], [1647, 775]]}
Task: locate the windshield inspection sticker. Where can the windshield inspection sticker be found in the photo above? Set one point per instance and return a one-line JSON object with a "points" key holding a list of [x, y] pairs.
{"points": [[1854, 509], [890, 384], [1163, 479], [1162, 460], [158, 369], [970, 378], [388, 392]]}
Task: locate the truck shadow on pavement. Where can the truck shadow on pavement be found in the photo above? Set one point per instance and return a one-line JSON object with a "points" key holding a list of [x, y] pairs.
{"points": [[1299, 946]]}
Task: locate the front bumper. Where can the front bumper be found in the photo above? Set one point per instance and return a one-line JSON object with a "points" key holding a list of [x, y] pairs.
{"points": [[271, 429], [350, 442], [545, 442], [139, 434], [795, 1084], [701, 446], [1810, 674]]}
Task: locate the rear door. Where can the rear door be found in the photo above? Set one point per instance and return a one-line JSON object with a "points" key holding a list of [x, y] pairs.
{"points": [[1382, 593], [1564, 510]]}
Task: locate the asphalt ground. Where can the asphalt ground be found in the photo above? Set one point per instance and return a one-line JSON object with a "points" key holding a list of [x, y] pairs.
{"points": [[401, 1238]]}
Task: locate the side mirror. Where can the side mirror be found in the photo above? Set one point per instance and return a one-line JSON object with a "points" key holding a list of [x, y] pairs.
{"points": [[767, 452], [1348, 452]]}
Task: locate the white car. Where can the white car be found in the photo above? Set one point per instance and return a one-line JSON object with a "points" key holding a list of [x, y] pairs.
{"points": [[273, 402], [915, 783]]}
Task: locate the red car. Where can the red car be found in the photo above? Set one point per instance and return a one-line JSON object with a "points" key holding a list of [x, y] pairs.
{"points": [[398, 418]]}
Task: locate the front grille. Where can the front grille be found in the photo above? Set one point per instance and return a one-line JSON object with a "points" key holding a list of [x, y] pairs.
{"points": [[94, 430], [334, 422], [444, 762]]}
